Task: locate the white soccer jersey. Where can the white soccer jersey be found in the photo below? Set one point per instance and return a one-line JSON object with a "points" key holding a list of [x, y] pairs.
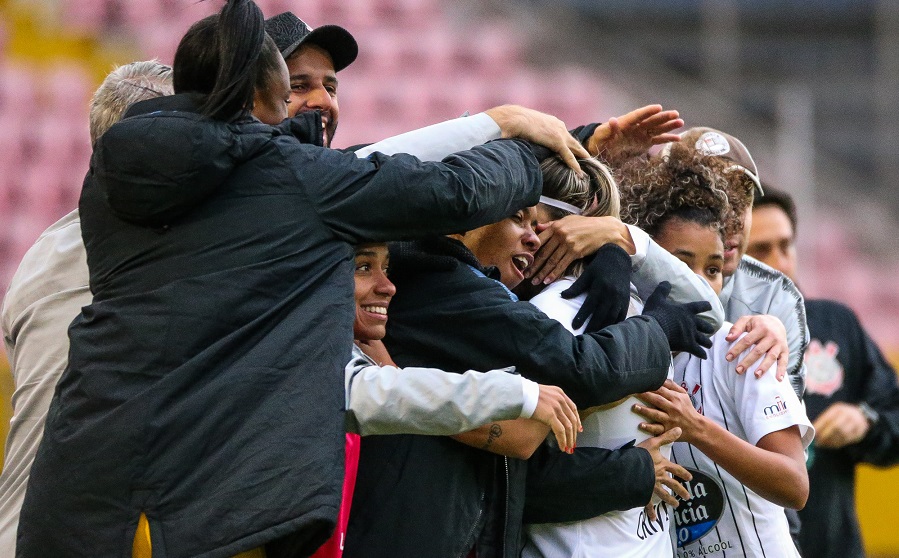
{"points": [[624, 534], [725, 518]]}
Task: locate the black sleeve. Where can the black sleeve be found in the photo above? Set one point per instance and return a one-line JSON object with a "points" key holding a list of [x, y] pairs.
{"points": [[583, 133], [458, 319], [565, 487], [396, 197], [881, 391], [354, 148]]}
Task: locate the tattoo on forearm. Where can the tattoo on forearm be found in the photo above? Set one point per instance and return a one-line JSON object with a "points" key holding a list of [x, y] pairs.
{"points": [[495, 432]]}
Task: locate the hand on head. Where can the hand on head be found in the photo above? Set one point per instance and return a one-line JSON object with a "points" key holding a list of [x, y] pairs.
{"points": [[541, 129]]}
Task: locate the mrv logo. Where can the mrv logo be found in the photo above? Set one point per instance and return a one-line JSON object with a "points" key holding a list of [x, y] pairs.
{"points": [[777, 409], [695, 517]]}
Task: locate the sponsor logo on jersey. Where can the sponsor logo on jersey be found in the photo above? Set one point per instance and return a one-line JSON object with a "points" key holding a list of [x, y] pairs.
{"points": [[647, 527], [695, 517], [777, 409], [824, 373]]}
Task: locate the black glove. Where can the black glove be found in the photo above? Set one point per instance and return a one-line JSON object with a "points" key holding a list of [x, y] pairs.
{"points": [[607, 282], [684, 329]]}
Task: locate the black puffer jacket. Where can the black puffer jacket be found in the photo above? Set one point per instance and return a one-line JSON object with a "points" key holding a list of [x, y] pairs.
{"points": [[432, 496], [205, 383]]}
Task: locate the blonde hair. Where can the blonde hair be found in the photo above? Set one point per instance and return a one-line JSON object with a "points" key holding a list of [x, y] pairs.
{"points": [[123, 87], [595, 193]]}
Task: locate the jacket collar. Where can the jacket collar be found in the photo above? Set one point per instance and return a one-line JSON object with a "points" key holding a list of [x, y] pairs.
{"points": [[439, 253]]}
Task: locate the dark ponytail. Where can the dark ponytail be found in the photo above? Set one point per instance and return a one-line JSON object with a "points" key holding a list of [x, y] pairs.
{"points": [[225, 58], [240, 34]]}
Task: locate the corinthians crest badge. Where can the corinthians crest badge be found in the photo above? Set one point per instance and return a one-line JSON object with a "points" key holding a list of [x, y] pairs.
{"points": [[824, 373]]}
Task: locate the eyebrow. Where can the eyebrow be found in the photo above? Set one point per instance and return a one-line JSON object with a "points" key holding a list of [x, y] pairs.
{"points": [[366, 253], [329, 80]]}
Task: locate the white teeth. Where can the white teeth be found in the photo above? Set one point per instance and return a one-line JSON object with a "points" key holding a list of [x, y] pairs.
{"points": [[521, 262], [375, 310]]}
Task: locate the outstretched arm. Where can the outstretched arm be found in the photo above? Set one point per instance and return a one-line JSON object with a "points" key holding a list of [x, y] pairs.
{"points": [[632, 134], [390, 400], [435, 142]]}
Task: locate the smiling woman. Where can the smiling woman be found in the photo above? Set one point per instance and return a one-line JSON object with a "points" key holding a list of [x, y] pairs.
{"points": [[373, 292]]}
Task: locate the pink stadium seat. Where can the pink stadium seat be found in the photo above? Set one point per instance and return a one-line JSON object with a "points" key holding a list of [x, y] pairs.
{"points": [[571, 95], [12, 133], [19, 89], [140, 13], [409, 14], [185, 12], [351, 14], [488, 50], [69, 88], [161, 42], [86, 15], [380, 55], [40, 190]]}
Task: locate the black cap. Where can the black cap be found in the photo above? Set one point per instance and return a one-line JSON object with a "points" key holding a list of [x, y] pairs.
{"points": [[289, 32]]}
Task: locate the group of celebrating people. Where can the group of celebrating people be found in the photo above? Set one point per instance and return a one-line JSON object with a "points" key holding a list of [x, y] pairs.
{"points": [[578, 359]]}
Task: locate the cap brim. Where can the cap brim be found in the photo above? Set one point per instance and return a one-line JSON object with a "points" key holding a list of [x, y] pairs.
{"points": [[755, 179], [337, 41]]}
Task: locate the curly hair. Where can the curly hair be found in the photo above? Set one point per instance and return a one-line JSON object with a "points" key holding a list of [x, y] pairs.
{"points": [[702, 189]]}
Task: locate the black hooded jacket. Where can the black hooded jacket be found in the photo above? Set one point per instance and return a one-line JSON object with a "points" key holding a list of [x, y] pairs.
{"points": [[205, 381]]}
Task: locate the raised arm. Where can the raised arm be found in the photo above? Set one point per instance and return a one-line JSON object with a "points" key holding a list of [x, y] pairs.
{"points": [[633, 134], [435, 142], [393, 197]]}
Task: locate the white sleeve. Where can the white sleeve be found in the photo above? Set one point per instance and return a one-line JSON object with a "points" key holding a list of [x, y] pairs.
{"points": [[767, 405], [390, 400], [531, 391], [563, 310], [652, 264], [434, 143]]}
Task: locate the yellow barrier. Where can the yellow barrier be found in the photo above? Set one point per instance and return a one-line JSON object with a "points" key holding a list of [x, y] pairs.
{"points": [[6, 389]]}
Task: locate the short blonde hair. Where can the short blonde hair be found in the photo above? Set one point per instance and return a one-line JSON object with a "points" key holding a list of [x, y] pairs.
{"points": [[123, 87], [595, 192]]}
